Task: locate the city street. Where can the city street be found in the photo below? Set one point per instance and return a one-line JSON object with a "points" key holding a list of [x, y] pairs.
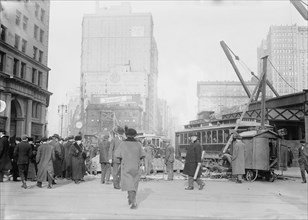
{"points": [[157, 199]]}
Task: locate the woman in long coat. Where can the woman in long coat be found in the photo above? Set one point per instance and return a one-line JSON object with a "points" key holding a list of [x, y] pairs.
{"points": [[238, 158], [44, 159], [130, 153], [78, 160]]}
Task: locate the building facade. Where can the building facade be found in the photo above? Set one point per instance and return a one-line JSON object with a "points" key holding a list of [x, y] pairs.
{"points": [[23, 67], [119, 57], [220, 96], [287, 48]]}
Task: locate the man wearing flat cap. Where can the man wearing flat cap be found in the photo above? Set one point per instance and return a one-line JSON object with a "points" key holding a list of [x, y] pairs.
{"points": [[303, 159], [192, 161]]}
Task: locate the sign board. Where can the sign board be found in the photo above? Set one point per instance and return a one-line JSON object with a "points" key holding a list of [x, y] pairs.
{"points": [[78, 124], [115, 99]]}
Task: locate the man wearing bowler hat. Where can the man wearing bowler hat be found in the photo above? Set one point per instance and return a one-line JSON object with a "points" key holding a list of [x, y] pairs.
{"points": [[192, 161], [303, 159]]}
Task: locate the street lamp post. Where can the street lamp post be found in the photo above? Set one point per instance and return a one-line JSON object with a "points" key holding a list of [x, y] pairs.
{"points": [[62, 109]]}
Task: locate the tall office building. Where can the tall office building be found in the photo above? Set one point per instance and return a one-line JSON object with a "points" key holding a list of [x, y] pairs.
{"points": [[119, 57], [287, 48], [23, 67]]}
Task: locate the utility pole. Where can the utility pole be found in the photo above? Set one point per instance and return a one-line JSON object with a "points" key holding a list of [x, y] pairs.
{"points": [[62, 109]]}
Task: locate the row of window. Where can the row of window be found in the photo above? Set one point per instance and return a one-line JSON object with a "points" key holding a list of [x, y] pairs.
{"points": [[20, 70], [38, 33], [208, 137]]}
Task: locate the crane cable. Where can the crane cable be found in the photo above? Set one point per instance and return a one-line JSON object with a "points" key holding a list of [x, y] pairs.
{"points": [[304, 3], [295, 90]]}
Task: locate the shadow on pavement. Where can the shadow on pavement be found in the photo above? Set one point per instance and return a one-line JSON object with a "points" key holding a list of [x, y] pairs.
{"points": [[143, 194]]}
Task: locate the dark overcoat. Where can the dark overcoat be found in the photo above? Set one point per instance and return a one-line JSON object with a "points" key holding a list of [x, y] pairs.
{"points": [[57, 163], [78, 161], [5, 162], [67, 156], [114, 145], [104, 147], [193, 157], [44, 158], [303, 155], [23, 152], [238, 158], [130, 153]]}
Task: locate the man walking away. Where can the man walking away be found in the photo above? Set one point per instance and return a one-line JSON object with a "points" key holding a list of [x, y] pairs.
{"points": [[169, 161], [22, 153], [5, 162], [44, 158], [68, 157], [130, 153], [104, 146]]}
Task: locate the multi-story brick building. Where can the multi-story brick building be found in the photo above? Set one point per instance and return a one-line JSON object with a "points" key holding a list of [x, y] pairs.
{"points": [[23, 66]]}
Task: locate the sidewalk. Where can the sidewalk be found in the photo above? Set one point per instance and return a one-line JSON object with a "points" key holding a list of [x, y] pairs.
{"points": [[291, 172]]}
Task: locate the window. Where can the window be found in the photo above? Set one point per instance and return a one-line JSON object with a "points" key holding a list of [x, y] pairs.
{"points": [[17, 39], [34, 72], [34, 52], [41, 36], [2, 32], [39, 79], [40, 56], [35, 31], [37, 8], [42, 15], [16, 67], [23, 70], [25, 23], [18, 15], [24, 46], [2, 56]]}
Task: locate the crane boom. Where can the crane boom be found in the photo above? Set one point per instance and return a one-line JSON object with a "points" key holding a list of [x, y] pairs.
{"points": [[300, 8]]}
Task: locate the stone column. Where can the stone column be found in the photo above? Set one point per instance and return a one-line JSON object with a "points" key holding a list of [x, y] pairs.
{"points": [[8, 99], [29, 117]]}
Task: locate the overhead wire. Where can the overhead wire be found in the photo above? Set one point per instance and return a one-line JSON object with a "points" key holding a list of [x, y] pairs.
{"points": [[295, 90]]}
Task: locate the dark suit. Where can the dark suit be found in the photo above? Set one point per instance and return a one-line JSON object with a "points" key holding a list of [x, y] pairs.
{"points": [[303, 160], [5, 162], [23, 153]]}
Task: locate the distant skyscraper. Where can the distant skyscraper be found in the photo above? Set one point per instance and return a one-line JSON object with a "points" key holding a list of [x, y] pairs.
{"points": [[119, 57], [287, 47]]}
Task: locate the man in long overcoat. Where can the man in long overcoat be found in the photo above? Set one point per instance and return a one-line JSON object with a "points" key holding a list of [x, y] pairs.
{"points": [[115, 162], [5, 162], [78, 160], [238, 158], [303, 160], [192, 160], [169, 161], [68, 157], [22, 153], [57, 163], [44, 159], [103, 147], [130, 153]]}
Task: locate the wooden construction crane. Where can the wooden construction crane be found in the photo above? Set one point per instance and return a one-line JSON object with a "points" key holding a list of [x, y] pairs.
{"points": [[299, 5]]}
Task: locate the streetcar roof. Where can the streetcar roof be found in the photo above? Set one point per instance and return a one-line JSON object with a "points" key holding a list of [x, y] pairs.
{"points": [[223, 126]]}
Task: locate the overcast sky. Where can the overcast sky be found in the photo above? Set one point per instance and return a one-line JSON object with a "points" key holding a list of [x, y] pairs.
{"points": [[187, 35]]}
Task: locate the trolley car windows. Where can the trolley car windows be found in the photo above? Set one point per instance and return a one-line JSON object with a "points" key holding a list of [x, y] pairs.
{"points": [[226, 136], [208, 138], [203, 137], [181, 138], [185, 138], [220, 136], [214, 136]]}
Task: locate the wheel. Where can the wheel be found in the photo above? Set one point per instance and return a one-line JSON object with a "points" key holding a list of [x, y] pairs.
{"points": [[251, 175], [271, 176]]}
